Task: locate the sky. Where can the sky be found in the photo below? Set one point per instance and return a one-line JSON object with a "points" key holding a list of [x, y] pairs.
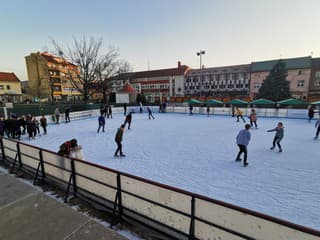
{"points": [[156, 34]]}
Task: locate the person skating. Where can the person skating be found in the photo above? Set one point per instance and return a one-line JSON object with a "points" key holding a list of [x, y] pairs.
{"points": [[278, 136], [191, 109], [43, 124], [150, 113], [124, 109], [57, 115], [67, 114], [128, 120], [253, 118], [118, 140], [243, 139], [208, 110], [239, 115], [109, 111], [102, 123], [317, 126], [36, 126], [311, 113]]}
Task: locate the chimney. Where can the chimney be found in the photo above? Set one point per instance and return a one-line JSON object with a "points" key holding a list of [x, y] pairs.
{"points": [[179, 64]]}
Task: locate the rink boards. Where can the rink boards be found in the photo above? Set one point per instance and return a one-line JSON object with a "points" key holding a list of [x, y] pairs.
{"points": [[179, 214]]}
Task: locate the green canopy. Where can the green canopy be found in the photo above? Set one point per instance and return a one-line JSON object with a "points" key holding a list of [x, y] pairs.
{"points": [[262, 101], [292, 101], [213, 102], [315, 103], [193, 101], [237, 102]]}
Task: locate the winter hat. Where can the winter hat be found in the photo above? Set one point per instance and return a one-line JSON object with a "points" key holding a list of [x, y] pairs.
{"points": [[73, 142]]}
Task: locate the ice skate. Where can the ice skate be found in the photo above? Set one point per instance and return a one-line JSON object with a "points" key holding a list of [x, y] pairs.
{"points": [[122, 155], [271, 148], [245, 164], [238, 159]]}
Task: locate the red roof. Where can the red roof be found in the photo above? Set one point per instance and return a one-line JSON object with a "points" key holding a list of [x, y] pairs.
{"points": [[180, 70], [127, 88], [54, 59], [8, 77]]}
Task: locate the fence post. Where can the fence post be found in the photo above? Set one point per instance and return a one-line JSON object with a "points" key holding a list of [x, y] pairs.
{"points": [[191, 229], [42, 164], [73, 170], [2, 149], [19, 155], [118, 201]]}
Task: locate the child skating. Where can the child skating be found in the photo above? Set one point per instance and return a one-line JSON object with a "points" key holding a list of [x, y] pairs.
{"points": [[150, 113], [278, 136], [253, 118], [239, 115], [317, 126], [243, 139]]}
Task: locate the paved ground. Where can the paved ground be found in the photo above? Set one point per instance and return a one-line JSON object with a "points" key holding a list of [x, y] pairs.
{"points": [[28, 213]]}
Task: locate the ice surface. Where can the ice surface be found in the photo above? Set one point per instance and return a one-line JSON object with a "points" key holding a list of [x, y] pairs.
{"points": [[197, 153]]}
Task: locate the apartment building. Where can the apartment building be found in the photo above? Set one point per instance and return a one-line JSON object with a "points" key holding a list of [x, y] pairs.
{"points": [[155, 84], [299, 73], [226, 81], [10, 88], [49, 77], [314, 86]]}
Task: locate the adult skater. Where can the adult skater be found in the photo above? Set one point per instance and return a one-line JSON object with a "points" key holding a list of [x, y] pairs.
{"points": [[311, 113], [57, 115], [43, 124], [253, 118], [243, 139], [67, 114], [118, 139], [150, 113], [128, 120], [124, 109], [317, 125], [239, 115], [102, 123], [191, 109], [208, 110], [278, 136], [109, 112]]}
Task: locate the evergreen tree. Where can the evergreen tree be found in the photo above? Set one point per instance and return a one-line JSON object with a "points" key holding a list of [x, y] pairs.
{"points": [[276, 87]]}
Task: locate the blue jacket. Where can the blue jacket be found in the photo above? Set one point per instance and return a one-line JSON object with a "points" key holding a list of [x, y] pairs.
{"points": [[243, 137], [101, 120]]}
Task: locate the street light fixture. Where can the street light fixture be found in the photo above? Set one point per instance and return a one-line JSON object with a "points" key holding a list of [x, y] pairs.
{"points": [[200, 53]]}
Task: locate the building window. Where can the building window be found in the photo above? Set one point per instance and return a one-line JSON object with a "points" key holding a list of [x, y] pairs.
{"points": [[1, 87], [256, 85], [300, 72], [300, 83], [8, 87], [316, 82], [317, 74]]}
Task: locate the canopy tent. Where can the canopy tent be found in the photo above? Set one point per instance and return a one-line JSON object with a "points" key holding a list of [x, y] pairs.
{"points": [[292, 101], [213, 102], [237, 102], [262, 101], [315, 103], [193, 101]]}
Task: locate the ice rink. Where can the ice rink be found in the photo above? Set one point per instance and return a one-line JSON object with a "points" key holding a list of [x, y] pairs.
{"points": [[197, 153]]}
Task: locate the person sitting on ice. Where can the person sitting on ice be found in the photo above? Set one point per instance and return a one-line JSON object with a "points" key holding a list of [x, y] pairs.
{"points": [[65, 148]]}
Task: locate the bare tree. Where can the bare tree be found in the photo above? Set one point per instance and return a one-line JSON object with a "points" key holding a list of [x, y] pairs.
{"points": [[95, 67]]}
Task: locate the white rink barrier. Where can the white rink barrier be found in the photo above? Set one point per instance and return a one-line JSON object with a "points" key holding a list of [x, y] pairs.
{"points": [[175, 212]]}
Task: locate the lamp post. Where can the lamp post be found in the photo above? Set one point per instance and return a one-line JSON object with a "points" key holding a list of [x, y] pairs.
{"points": [[200, 53]]}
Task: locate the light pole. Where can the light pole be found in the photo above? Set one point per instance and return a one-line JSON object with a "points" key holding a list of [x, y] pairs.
{"points": [[200, 53]]}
